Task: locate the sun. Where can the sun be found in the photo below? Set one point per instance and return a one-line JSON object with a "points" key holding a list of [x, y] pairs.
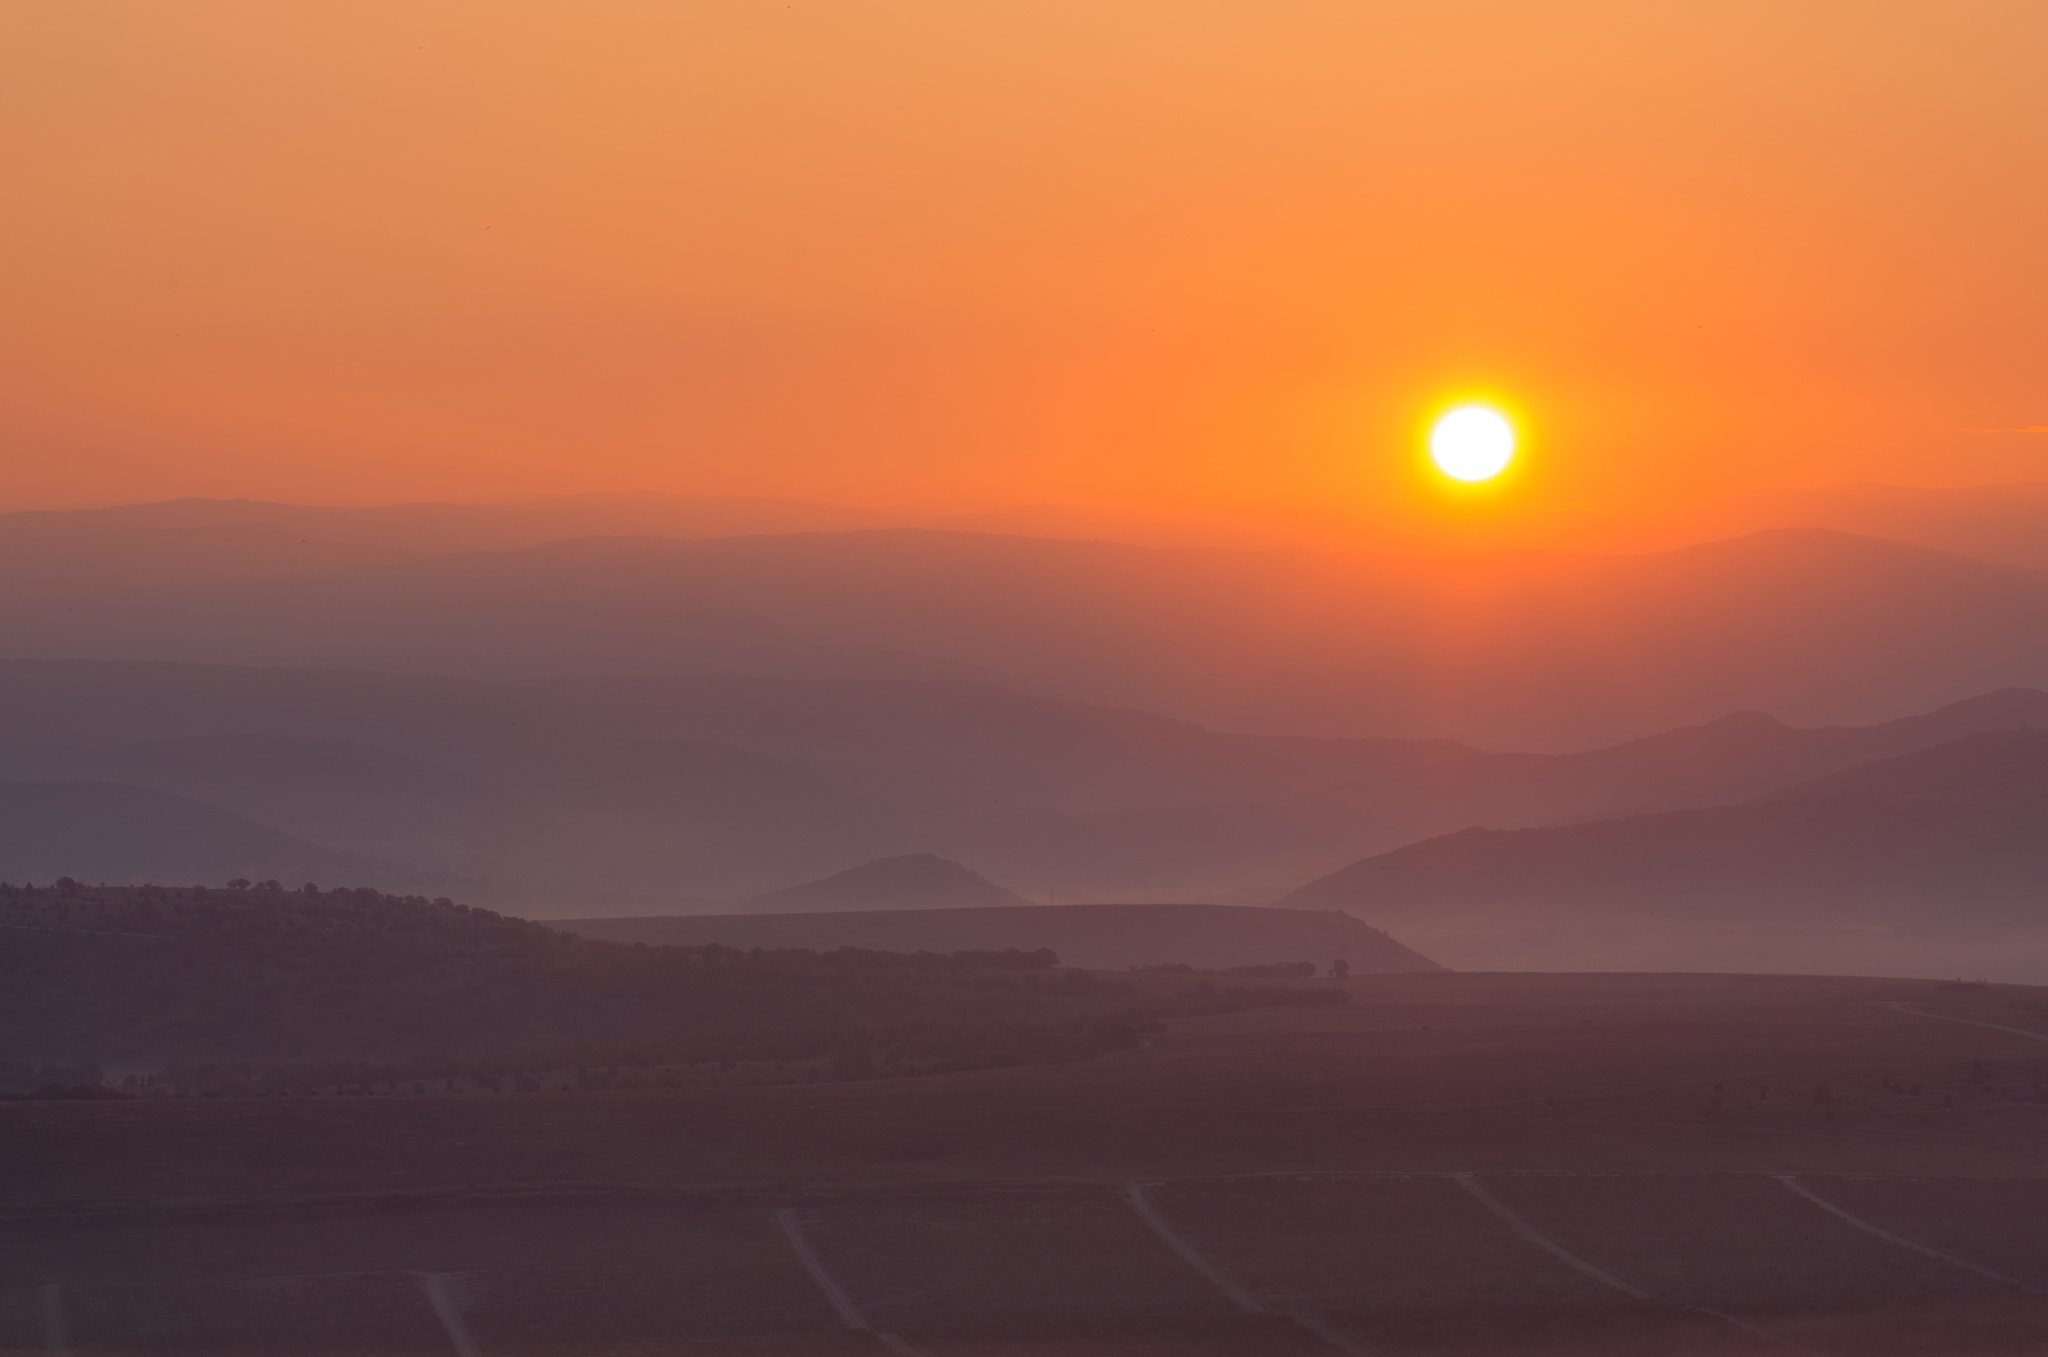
{"points": [[1472, 443]]}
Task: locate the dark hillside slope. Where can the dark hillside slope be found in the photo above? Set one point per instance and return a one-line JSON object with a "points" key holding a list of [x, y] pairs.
{"points": [[1108, 937], [133, 975]]}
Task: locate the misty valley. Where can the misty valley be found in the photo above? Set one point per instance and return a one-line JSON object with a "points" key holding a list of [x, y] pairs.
{"points": [[1086, 678]]}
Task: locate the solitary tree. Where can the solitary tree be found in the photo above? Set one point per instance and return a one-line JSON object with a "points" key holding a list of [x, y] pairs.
{"points": [[1339, 969]]}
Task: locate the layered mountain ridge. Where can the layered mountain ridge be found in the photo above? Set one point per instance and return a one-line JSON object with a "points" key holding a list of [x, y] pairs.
{"points": [[657, 794]]}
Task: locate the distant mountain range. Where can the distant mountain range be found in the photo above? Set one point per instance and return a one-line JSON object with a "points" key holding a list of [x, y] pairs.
{"points": [[184, 541], [610, 796], [212, 537], [2006, 523], [1514, 650]]}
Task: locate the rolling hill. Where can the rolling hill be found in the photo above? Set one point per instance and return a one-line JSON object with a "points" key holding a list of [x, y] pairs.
{"points": [[193, 975], [1944, 841]]}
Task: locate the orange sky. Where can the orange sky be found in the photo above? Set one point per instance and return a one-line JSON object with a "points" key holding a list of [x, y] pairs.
{"points": [[1187, 255]]}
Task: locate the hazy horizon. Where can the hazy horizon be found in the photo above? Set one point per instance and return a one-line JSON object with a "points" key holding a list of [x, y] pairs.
{"points": [[1221, 264], [1087, 678], [1817, 505]]}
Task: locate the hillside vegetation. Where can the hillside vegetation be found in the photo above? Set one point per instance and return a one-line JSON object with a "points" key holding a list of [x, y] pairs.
{"points": [[252, 980]]}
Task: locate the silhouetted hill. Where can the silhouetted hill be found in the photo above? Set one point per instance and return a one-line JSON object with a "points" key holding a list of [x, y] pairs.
{"points": [[161, 974], [266, 990], [913, 881], [106, 831], [1101, 936]]}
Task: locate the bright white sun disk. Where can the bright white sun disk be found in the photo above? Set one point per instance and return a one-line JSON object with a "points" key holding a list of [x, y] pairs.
{"points": [[1472, 443]]}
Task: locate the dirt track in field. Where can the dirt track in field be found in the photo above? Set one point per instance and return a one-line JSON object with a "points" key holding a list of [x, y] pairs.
{"points": [[1451, 1165], [1351, 1263]]}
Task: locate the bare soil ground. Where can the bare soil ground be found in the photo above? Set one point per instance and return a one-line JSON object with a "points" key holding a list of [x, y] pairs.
{"points": [[1639, 1123], [2000, 1224], [365, 1312], [1411, 1263], [1746, 1246], [1041, 1255]]}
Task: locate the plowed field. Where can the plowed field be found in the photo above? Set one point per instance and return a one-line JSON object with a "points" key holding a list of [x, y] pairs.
{"points": [[1451, 1165]]}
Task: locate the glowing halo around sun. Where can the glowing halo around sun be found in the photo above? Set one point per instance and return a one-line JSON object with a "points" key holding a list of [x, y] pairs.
{"points": [[1472, 443]]}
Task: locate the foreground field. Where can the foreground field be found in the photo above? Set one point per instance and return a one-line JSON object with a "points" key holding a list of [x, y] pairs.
{"points": [[1451, 1164]]}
